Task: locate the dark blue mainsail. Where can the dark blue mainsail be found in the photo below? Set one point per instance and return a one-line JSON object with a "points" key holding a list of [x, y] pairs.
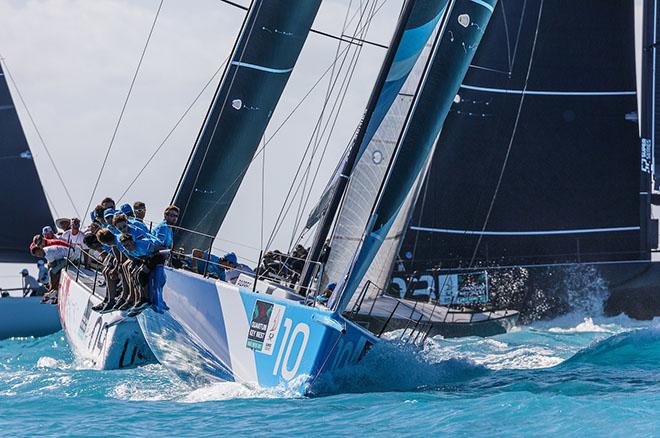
{"points": [[265, 53], [22, 200], [449, 62], [570, 187]]}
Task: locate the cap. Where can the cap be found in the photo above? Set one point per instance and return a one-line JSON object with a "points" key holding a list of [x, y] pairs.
{"points": [[108, 212], [231, 258], [126, 209], [24, 271], [62, 223], [332, 286], [40, 262], [47, 229]]}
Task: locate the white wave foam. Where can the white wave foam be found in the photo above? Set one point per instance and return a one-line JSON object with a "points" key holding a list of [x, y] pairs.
{"points": [[51, 362], [586, 326], [233, 390], [132, 392]]}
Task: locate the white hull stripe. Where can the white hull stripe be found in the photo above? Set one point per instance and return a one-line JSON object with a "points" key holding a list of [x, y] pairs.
{"points": [[525, 233], [262, 68], [237, 327], [484, 4], [550, 93]]}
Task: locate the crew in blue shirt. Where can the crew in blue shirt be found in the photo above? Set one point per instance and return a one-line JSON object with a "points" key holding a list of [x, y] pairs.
{"points": [[130, 216], [163, 231], [197, 262]]}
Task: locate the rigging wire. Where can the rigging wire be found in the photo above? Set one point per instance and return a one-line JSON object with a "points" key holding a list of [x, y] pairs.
{"points": [[347, 80], [176, 125], [340, 100], [284, 210], [52, 204], [41, 140], [513, 136], [123, 109], [351, 39], [327, 97]]}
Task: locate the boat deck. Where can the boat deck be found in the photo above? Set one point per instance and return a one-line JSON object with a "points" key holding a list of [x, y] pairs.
{"points": [[386, 313]]}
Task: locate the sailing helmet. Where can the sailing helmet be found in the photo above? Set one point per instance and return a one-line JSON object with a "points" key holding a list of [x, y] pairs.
{"points": [[109, 212], [231, 258], [24, 272], [332, 286], [126, 209], [47, 229], [40, 262]]}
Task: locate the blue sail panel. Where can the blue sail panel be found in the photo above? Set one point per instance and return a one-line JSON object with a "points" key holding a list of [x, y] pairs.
{"points": [[22, 199], [375, 142], [264, 56], [424, 17], [447, 67]]}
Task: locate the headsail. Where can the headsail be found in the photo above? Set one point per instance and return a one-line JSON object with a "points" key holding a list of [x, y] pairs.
{"points": [[23, 200], [370, 170], [452, 54], [569, 191], [264, 56], [368, 159]]}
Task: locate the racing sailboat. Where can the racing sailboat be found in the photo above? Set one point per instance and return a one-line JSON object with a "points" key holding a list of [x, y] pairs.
{"points": [[544, 175], [24, 197], [257, 331]]}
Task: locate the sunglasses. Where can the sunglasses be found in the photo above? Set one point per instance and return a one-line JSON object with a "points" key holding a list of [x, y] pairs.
{"points": [[172, 215]]}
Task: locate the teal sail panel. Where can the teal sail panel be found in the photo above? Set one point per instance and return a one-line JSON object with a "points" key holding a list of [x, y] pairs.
{"points": [[451, 57], [376, 137], [265, 53]]}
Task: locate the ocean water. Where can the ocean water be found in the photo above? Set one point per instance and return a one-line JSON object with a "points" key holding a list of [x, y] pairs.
{"points": [[572, 376]]}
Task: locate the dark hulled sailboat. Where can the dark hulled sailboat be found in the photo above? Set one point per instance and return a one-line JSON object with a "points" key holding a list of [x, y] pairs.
{"points": [[536, 174]]}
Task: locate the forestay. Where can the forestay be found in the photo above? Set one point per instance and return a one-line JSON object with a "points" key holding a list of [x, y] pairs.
{"points": [[377, 137], [370, 170]]}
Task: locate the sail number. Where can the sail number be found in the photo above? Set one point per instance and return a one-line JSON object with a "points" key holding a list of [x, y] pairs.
{"points": [[284, 355]]}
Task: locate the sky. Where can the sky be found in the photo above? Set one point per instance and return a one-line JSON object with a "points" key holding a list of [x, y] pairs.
{"points": [[73, 61]]}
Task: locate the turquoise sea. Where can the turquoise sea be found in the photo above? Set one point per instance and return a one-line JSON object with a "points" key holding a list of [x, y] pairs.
{"points": [[573, 376]]}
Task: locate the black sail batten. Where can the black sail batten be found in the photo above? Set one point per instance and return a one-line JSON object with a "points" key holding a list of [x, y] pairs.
{"points": [[570, 188], [266, 51], [23, 200]]}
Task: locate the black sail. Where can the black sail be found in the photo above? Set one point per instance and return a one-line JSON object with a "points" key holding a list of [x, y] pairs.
{"points": [[22, 199], [265, 53], [570, 147]]}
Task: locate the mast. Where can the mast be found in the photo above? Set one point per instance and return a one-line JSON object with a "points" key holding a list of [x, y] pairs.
{"points": [[23, 198], [647, 125], [416, 22], [452, 54], [265, 53]]}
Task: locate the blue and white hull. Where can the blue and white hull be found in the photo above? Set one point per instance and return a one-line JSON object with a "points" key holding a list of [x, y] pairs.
{"points": [[215, 331]]}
